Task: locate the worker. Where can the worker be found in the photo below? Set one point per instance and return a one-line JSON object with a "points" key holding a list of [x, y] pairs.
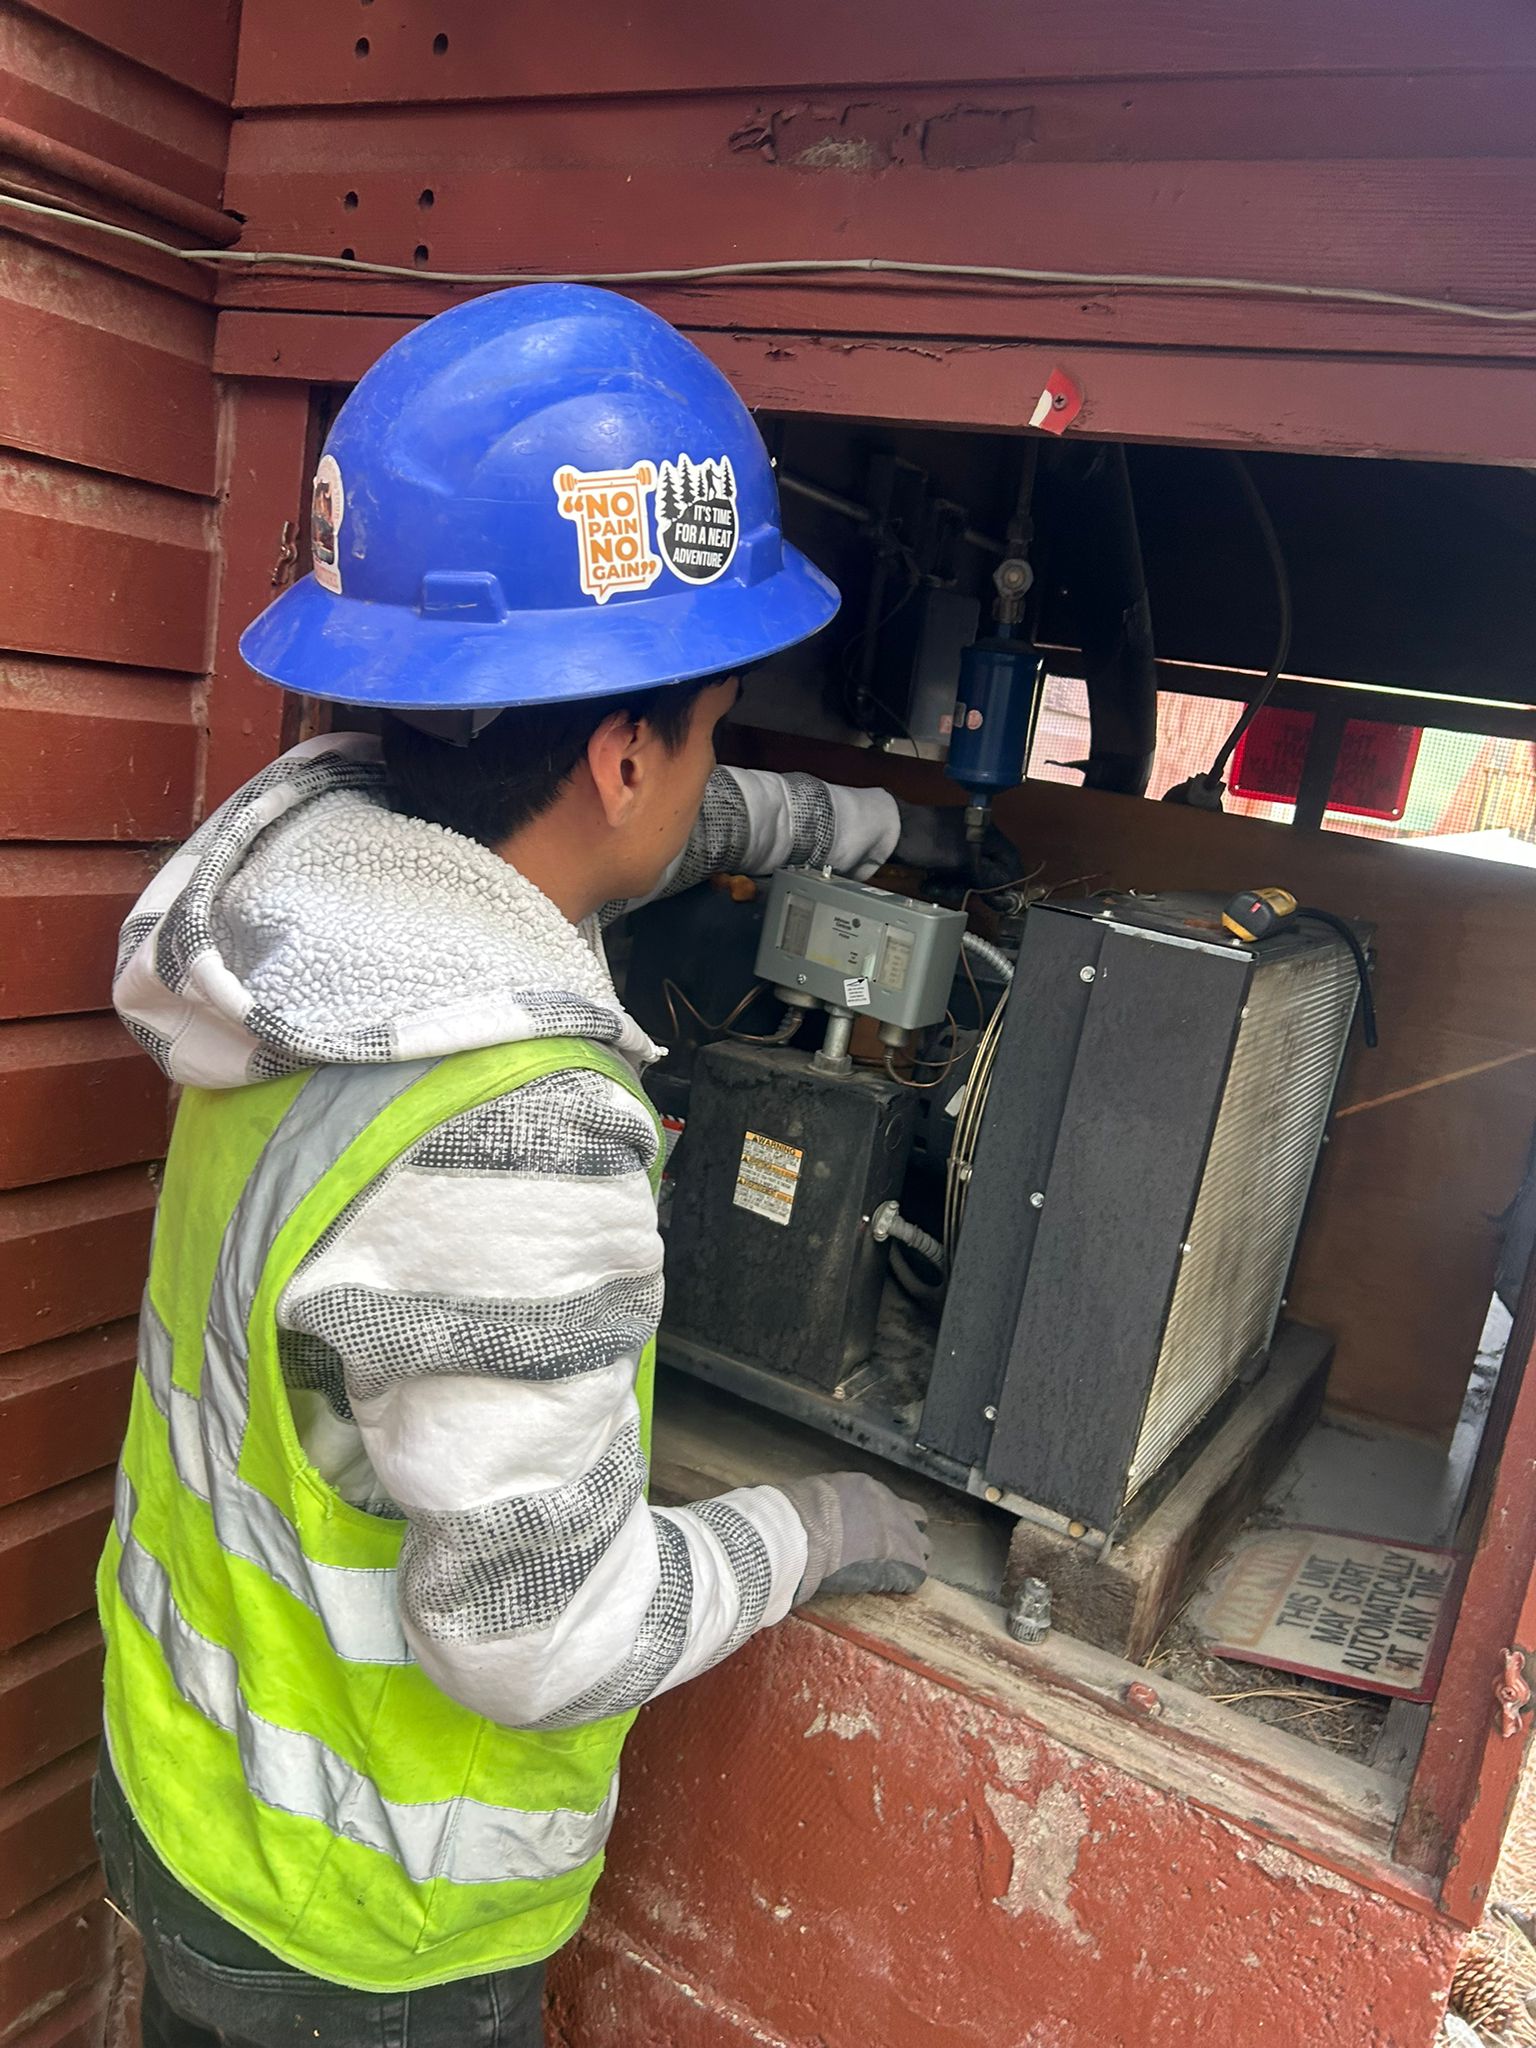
{"points": [[383, 1591]]}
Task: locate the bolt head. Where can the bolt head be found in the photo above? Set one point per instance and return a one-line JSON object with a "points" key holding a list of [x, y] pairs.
{"points": [[1077, 1531], [990, 1412], [1037, 1200], [802, 979], [1087, 974], [993, 1493]]}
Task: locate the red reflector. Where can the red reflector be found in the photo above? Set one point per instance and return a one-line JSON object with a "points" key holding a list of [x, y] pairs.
{"points": [[1371, 779]]}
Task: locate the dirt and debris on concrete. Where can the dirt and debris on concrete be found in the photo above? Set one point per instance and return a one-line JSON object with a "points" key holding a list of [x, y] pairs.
{"points": [[1331, 1715]]}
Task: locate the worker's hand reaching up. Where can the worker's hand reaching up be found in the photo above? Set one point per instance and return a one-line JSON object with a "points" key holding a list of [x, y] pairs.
{"points": [[933, 838], [861, 1538]]}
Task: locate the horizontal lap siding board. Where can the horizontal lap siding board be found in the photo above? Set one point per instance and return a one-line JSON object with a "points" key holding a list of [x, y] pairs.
{"points": [[50, 1952], [109, 501], [60, 909], [1428, 224], [1315, 144], [294, 54], [95, 753], [76, 1095]]}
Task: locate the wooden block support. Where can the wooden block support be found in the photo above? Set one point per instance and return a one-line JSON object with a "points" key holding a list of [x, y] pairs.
{"points": [[1124, 1600]]}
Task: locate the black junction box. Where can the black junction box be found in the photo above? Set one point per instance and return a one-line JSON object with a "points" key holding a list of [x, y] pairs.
{"points": [[770, 1258]]}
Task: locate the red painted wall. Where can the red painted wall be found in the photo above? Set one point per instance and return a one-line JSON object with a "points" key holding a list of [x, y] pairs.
{"points": [[821, 1849], [109, 492], [1345, 144]]}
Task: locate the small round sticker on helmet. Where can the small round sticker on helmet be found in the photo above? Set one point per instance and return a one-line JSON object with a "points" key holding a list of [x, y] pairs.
{"points": [[327, 506], [697, 525]]}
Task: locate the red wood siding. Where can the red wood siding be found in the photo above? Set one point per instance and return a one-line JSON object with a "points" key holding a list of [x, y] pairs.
{"points": [[109, 508], [1348, 146]]}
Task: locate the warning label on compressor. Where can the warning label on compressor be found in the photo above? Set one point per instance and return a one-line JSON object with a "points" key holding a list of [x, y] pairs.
{"points": [[767, 1177], [1346, 1608]]}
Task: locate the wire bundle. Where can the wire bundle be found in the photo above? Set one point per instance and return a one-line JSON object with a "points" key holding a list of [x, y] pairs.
{"points": [[962, 1147]]}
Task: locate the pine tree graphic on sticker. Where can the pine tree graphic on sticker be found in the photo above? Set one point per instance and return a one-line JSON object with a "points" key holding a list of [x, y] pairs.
{"points": [[668, 498], [696, 519]]}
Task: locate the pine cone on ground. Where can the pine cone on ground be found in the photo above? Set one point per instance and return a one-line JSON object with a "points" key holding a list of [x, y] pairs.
{"points": [[1487, 1994]]}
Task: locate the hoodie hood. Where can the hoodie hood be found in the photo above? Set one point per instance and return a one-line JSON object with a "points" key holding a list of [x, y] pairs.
{"points": [[305, 924]]}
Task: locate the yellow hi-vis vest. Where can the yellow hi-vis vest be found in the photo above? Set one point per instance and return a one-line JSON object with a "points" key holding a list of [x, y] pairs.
{"points": [[287, 1758]]}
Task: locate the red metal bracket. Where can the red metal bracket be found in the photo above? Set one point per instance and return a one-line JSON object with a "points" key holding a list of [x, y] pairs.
{"points": [[1511, 1692]]}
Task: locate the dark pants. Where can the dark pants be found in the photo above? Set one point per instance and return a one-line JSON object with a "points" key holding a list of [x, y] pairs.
{"points": [[207, 1982]]}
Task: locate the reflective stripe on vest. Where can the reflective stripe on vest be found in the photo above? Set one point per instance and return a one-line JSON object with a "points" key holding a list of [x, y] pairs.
{"points": [[461, 1840], [357, 1606], [288, 1758]]}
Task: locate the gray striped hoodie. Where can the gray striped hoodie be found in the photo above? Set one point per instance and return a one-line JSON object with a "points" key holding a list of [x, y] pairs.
{"points": [[461, 1350]]}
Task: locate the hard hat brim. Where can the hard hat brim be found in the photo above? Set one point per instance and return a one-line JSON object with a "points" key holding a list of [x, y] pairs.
{"points": [[351, 651]]}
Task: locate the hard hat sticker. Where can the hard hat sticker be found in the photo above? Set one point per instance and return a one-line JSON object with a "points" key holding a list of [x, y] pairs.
{"points": [[326, 507], [608, 508], [696, 520]]}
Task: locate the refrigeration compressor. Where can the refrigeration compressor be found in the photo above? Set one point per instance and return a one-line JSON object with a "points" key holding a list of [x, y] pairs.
{"points": [[1089, 1150]]}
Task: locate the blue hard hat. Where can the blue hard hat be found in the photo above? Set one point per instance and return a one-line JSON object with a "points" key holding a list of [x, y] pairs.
{"points": [[543, 494]]}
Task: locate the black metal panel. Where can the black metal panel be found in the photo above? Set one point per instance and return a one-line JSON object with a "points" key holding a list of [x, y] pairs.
{"points": [[1033, 1069], [800, 1297], [867, 1418], [1133, 1134]]}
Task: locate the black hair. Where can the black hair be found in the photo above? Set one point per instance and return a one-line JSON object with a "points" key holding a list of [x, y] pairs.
{"points": [[515, 767]]}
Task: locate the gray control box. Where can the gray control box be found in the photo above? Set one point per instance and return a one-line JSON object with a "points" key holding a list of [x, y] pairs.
{"points": [[859, 949]]}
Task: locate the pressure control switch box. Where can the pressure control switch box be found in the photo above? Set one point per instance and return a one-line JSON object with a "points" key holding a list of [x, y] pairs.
{"points": [[858, 948], [770, 1255]]}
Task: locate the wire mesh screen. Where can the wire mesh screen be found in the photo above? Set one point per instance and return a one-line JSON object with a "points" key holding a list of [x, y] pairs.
{"points": [[1248, 1211]]}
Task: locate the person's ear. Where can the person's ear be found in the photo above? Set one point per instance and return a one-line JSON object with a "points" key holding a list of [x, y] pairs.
{"points": [[616, 763]]}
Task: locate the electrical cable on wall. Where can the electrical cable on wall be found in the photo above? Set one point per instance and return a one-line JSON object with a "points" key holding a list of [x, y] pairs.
{"points": [[1204, 792], [790, 268]]}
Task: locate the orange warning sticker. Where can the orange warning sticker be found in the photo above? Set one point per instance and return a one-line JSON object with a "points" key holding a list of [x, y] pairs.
{"points": [[767, 1177], [611, 514]]}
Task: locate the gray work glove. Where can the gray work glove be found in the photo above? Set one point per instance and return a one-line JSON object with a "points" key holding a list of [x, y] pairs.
{"points": [[860, 1538], [932, 837]]}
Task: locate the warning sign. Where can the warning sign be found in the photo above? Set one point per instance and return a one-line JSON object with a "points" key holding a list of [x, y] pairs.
{"points": [[1347, 1608], [767, 1177], [610, 510], [1371, 777]]}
